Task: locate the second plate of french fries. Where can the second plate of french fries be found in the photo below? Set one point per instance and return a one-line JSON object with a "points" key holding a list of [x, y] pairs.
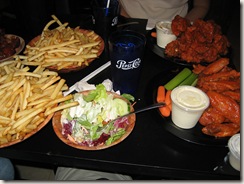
{"points": [[63, 49], [28, 100]]}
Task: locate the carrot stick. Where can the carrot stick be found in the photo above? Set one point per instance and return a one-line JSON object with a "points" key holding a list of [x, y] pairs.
{"points": [[161, 94], [170, 106], [167, 97], [154, 34], [72, 139], [165, 111]]}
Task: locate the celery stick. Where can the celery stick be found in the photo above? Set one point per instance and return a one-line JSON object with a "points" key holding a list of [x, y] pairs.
{"points": [[178, 79], [194, 82], [189, 80]]}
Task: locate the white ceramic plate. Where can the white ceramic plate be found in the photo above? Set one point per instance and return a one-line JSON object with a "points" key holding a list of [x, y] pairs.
{"points": [[18, 49]]}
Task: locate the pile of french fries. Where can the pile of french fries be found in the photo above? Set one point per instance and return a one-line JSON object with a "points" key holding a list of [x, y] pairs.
{"points": [[62, 47], [28, 98]]}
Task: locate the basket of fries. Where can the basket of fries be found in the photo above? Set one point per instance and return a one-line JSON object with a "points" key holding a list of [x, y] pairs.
{"points": [[28, 100], [64, 49]]}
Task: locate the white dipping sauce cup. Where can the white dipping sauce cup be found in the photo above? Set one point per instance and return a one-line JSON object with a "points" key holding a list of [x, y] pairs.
{"points": [[234, 154], [188, 104], [164, 33]]}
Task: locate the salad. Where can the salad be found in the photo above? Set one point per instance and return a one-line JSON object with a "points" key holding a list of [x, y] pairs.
{"points": [[89, 123]]}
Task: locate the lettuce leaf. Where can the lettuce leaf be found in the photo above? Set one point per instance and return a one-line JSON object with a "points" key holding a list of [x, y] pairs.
{"points": [[129, 97], [115, 136], [96, 94]]}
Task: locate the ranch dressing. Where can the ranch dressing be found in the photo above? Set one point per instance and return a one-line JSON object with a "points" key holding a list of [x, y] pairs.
{"points": [[166, 27], [234, 154], [188, 104], [164, 33], [190, 98]]}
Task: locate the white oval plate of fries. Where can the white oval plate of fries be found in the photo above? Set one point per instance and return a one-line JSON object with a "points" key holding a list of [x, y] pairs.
{"points": [[28, 100], [64, 49]]}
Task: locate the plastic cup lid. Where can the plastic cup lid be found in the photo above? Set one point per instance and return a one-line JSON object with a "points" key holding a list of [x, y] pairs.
{"points": [[234, 145]]}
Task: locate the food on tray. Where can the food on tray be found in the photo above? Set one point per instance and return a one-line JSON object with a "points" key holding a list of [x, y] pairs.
{"points": [[201, 41], [8, 44], [90, 125], [222, 85], [63, 47], [28, 100]]}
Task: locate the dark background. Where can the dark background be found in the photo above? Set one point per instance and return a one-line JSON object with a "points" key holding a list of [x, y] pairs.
{"points": [[27, 18]]}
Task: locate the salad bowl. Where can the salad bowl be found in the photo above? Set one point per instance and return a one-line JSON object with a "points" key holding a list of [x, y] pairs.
{"points": [[60, 129]]}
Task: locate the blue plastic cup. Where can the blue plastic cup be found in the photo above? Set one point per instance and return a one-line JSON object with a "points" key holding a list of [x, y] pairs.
{"points": [[105, 19], [126, 49]]}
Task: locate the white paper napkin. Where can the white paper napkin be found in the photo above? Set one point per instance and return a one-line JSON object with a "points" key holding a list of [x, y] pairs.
{"points": [[83, 85]]}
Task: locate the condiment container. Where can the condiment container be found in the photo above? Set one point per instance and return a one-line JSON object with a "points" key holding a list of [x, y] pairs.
{"points": [[164, 33], [234, 154], [188, 104]]}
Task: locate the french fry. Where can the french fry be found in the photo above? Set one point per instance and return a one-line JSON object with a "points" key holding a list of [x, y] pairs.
{"points": [[43, 104], [60, 107], [59, 100], [21, 113], [59, 45], [13, 96], [36, 56], [3, 140], [4, 120], [66, 59], [62, 65], [48, 24], [4, 100], [26, 94], [15, 109], [47, 73], [50, 82], [33, 113], [6, 84], [57, 89], [42, 100], [6, 131], [33, 126], [19, 84], [56, 19], [39, 121], [21, 99]]}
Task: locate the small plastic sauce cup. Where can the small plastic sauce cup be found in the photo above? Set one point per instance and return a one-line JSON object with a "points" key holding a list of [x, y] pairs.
{"points": [[164, 33], [188, 104], [234, 154]]}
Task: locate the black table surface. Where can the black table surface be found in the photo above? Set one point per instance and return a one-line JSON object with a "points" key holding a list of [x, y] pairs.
{"points": [[149, 150]]}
